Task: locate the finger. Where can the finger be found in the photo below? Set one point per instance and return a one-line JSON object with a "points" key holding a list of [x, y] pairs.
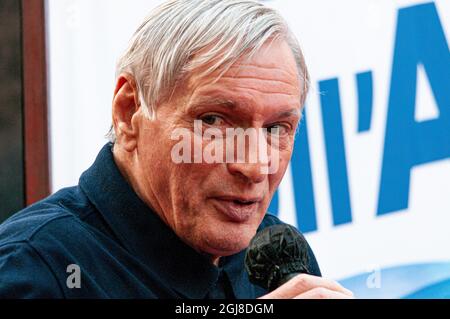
{"points": [[307, 282], [323, 293], [303, 283]]}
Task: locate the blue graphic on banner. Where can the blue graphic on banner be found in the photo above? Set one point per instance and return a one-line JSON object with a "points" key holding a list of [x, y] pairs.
{"points": [[365, 100], [274, 204], [420, 43], [335, 151], [303, 184], [440, 290], [420, 40], [302, 180], [430, 280]]}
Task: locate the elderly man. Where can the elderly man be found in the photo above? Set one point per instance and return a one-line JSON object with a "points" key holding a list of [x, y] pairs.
{"points": [[142, 224]]}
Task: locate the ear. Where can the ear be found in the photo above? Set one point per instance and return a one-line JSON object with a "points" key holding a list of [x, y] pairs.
{"points": [[125, 107]]}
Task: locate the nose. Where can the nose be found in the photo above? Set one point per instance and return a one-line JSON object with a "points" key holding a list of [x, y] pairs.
{"points": [[249, 172], [251, 160]]}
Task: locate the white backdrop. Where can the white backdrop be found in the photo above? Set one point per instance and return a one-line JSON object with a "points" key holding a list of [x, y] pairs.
{"points": [[390, 255]]}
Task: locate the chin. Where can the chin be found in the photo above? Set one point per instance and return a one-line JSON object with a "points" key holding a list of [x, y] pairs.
{"points": [[227, 241]]}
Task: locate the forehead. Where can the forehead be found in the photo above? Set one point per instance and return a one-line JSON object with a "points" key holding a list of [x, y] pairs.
{"points": [[269, 75]]}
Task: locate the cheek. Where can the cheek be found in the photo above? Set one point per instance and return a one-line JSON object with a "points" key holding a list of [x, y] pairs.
{"points": [[156, 166], [190, 184], [156, 148]]}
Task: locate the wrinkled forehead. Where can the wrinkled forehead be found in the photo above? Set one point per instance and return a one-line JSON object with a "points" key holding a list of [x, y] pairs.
{"points": [[273, 63]]}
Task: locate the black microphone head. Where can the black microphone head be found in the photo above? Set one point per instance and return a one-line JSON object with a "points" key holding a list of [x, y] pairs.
{"points": [[275, 253]]}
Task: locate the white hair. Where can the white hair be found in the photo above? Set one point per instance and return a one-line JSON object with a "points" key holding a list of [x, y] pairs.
{"points": [[181, 36]]}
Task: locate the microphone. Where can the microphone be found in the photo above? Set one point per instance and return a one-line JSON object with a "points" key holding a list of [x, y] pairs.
{"points": [[275, 255]]}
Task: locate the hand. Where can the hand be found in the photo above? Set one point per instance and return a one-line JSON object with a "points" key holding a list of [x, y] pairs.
{"points": [[306, 286]]}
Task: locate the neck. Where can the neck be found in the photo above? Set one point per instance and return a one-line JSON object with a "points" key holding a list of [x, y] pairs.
{"points": [[129, 168]]}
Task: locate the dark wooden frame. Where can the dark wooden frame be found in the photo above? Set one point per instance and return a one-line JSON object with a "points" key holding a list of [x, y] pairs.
{"points": [[36, 146]]}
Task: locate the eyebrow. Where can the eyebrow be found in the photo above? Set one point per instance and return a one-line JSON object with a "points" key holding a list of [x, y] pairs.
{"points": [[230, 104], [292, 112], [217, 101]]}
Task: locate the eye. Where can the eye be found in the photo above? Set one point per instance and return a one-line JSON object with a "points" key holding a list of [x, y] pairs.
{"points": [[213, 120], [278, 129]]}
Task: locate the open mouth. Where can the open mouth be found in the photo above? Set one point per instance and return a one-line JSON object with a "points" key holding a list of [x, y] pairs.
{"points": [[236, 209], [241, 202]]}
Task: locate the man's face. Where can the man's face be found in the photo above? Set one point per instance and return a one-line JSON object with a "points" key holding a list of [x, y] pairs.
{"points": [[217, 208]]}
